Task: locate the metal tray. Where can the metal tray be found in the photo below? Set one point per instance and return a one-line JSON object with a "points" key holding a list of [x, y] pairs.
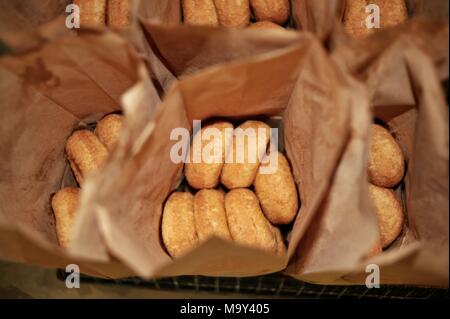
{"points": [[275, 285]]}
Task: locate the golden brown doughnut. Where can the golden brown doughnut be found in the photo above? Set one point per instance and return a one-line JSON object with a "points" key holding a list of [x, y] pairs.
{"points": [[92, 12], [64, 204], [200, 12], [386, 164], [277, 11], [393, 12], [178, 225], [277, 192], [108, 130], [209, 215], [233, 13], [246, 221], [119, 15], [204, 174], [85, 153], [389, 212], [237, 174]]}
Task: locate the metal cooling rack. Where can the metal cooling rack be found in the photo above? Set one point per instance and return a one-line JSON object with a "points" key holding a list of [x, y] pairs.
{"points": [[276, 285]]}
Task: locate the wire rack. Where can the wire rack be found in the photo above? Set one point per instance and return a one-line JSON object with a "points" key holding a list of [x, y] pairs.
{"points": [[275, 285]]}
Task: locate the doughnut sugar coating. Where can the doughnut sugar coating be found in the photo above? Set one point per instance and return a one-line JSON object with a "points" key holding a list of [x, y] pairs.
{"points": [[247, 223], [277, 11], [276, 191], [204, 172], [85, 153], [92, 12], [65, 204], [209, 214], [389, 213], [119, 13], [265, 25], [393, 12], [233, 13], [200, 12], [178, 230], [108, 130], [386, 165], [243, 162]]}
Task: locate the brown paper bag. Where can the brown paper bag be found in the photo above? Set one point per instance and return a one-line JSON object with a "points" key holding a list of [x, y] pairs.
{"points": [[318, 17], [46, 93], [96, 227], [181, 49], [168, 48], [298, 82], [185, 49], [405, 93], [324, 18], [23, 27], [316, 88], [25, 24]]}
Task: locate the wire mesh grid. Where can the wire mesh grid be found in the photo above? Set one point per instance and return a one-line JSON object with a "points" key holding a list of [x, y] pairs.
{"points": [[275, 285]]}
